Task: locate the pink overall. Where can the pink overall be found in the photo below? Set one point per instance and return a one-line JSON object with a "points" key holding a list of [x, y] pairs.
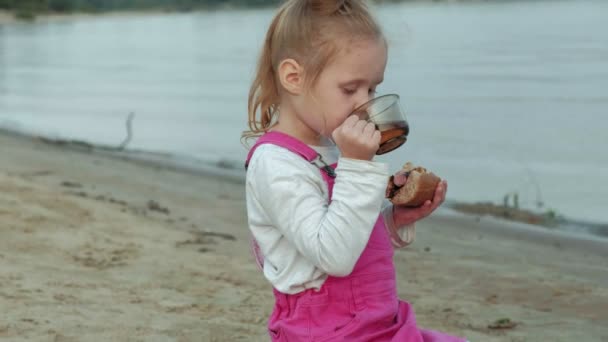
{"points": [[362, 306]]}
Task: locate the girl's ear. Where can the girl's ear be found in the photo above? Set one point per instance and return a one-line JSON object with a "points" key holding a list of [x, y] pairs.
{"points": [[291, 76]]}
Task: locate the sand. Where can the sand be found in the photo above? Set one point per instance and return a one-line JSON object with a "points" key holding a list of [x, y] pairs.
{"points": [[96, 248]]}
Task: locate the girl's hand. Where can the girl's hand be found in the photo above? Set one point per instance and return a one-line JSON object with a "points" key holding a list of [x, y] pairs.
{"points": [[406, 215], [357, 139]]}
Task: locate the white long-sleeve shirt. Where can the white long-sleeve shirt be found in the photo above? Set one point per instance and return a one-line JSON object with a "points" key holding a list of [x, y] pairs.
{"points": [[302, 238]]}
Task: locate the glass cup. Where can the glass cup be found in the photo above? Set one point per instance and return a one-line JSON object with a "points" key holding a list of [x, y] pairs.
{"points": [[388, 116]]}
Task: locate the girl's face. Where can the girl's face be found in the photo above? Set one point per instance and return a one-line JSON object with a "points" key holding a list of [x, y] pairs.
{"points": [[346, 83]]}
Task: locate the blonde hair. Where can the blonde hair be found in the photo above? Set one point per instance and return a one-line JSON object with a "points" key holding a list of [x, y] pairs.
{"points": [[308, 31]]}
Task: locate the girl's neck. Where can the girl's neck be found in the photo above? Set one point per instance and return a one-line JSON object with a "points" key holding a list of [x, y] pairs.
{"points": [[289, 123]]}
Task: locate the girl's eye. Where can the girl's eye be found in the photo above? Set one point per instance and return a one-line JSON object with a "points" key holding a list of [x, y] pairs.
{"points": [[349, 91]]}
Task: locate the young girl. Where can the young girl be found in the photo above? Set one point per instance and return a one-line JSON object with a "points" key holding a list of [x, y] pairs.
{"points": [[324, 239]]}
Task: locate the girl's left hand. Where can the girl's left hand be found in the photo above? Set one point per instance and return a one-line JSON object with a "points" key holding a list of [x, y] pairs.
{"points": [[406, 215]]}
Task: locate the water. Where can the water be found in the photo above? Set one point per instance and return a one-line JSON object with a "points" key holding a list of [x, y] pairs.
{"points": [[501, 97]]}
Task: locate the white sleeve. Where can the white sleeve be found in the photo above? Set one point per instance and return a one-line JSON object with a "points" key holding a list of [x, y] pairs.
{"points": [[400, 236], [333, 236]]}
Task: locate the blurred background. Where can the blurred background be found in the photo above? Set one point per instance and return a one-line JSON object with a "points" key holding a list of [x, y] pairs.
{"points": [[507, 100]]}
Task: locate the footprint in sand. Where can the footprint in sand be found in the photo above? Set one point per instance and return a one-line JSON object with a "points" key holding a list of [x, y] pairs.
{"points": [[105, 257], [205, 239]]}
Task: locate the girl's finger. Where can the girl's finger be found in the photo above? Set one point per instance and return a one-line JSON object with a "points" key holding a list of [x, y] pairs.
{"points": [[351, 121], [376, 137], [438, 193], [369, 129], [360, 126]]}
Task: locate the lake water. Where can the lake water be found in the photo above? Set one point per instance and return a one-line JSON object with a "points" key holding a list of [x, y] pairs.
{"points": [[501, 97]]}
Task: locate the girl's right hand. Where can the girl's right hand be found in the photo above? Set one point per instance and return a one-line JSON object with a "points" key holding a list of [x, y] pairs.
{"points": [[357, 139]]}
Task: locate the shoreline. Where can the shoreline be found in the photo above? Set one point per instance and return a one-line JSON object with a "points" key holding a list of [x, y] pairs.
{"points": [[8, 17], [145, 158], [95, 247], [232, 173]]}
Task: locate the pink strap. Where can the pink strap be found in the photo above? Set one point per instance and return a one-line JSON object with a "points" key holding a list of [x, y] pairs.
{"points": [[286, 141]]}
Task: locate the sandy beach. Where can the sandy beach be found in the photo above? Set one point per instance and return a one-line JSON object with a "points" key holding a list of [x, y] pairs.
{"points": [[96, 248]]}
